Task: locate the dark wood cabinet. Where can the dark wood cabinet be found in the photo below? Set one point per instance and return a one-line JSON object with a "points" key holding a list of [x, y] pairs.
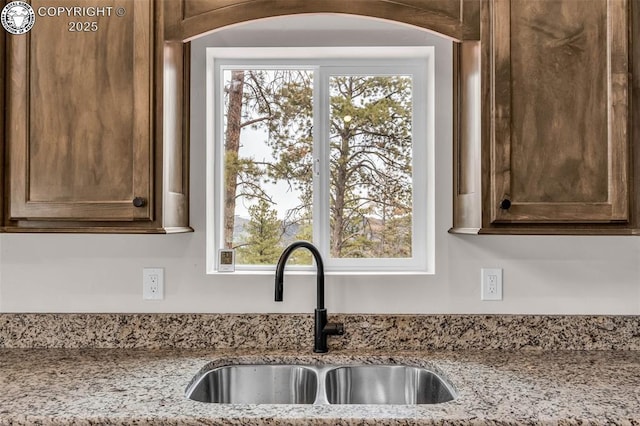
{"points": [[2, 128], [555, 154], [88, 146], [547, 120]]}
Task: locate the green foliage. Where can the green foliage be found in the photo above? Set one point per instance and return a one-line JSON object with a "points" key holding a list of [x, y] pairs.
{"points": [[305, 233], [370, 188], [262, 245], [371, 168]]}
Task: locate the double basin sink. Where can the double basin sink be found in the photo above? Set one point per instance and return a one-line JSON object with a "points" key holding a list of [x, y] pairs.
{"points": [[320, 384]]}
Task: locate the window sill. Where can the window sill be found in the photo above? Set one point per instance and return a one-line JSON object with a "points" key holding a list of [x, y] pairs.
{"points": [[243, 273]]}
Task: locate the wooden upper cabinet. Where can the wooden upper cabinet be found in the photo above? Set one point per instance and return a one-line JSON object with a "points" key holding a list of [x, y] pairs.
{"points": [[560, 145], [2, 127], [556, 150], [84, 149], [80, 133]]}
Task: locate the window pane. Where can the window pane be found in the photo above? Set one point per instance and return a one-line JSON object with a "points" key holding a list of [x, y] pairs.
{"points": [[371, 168], [267, 163]]}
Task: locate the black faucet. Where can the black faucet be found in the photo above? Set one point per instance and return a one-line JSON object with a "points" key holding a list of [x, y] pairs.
{"points": [[322, 328]]}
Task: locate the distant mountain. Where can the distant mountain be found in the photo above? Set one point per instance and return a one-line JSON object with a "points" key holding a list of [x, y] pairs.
{"points": [[240, 230]]}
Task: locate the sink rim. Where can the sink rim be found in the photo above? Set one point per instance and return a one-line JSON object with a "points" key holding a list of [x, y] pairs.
{"points": [[321, 365]]}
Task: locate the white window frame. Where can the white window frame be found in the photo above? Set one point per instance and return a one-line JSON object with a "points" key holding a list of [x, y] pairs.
{"points": [[417, 61]]}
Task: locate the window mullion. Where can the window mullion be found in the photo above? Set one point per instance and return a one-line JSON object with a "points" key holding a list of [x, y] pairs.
{"points": [[320, 153]]}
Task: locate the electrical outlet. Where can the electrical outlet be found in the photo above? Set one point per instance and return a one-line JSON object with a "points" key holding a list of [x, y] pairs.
{"points": [[491, 284], [153, 283]]}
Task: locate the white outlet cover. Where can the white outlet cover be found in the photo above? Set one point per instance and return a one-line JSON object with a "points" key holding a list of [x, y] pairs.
{"points": [[153, 283], [491, 284]]}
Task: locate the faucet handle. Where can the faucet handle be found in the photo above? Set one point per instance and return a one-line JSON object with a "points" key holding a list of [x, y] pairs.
{"points": [[323, 328], [333, 329]]}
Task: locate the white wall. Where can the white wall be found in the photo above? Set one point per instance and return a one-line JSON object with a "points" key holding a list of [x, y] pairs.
{"points": [[102, 273]]}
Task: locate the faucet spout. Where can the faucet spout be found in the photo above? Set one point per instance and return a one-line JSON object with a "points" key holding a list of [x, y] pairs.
{"points": [[322, 328], [319, 266]]}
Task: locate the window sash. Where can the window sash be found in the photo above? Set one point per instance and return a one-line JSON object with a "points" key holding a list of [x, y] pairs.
{"points": [[411, 61]]}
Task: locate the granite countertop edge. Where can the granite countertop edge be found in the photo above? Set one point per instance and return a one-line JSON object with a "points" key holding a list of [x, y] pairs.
{"points": [[145, 387]]}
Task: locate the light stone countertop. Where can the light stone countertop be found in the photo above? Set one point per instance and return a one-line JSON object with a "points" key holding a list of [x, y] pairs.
{"points": [[144, 386]]}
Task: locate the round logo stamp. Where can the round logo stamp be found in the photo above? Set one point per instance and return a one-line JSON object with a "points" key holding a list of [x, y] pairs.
{"points": [[17, 17]]}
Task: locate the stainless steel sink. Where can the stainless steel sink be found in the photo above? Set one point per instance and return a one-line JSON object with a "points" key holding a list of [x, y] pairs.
{"points": [[320, 384], [385, 384], [256, 384]]}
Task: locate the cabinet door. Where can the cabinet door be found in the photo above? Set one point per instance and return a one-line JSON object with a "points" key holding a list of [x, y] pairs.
{"points": [[79, 127], [2, 144], [559, 138]]}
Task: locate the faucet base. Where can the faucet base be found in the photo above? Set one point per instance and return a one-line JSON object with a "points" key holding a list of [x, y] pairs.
{"points": [[322, 329], [320, 339]]}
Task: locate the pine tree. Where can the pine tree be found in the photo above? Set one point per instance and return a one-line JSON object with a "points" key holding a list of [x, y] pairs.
{"points": [[262, 244], [370, 137]]}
